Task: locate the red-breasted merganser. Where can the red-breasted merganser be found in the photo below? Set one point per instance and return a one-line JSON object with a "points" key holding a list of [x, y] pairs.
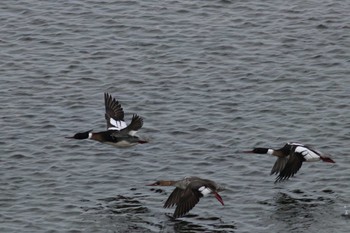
{"points": [[187, 193], [118, 133], [290, 158]]}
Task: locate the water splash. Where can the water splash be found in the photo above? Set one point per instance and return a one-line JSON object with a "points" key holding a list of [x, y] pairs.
{"points": [[346, 211], [346, 214]]}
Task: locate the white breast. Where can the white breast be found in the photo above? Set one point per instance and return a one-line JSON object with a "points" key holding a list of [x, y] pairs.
{"points": [[308, 154]]}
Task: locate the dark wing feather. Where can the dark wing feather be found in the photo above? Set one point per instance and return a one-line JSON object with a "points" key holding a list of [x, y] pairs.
{"points": [[174, 198], [292, 166], [188, 200], [113, 110], [279, 165], [135, 124]]}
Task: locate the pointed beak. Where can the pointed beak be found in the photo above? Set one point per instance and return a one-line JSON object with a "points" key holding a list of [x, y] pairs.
{"points": [[328, 160], [69, 137], [219, 198], [331, 161]]}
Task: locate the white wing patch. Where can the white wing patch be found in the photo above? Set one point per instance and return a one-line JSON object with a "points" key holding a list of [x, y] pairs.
{"points": [[204, 190], [117, 125], [309, 155], [132, 132]]}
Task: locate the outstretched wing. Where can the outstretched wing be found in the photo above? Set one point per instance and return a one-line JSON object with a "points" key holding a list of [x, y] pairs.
{"points": [[188, 200], [279, 165], [174, 198], [135, 124], [292, 166], [114, 113]]}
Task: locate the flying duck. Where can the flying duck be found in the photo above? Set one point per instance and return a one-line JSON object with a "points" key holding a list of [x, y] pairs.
{"points": [[290, 158], [118, 133], [187, 193]]}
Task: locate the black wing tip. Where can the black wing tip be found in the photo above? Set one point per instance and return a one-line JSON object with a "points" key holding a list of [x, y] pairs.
{"points": [[282, 178], [273, 173], [169, 204], [180, 210], [137, 117], [185, 205], [166, 206], [136, 122], [107, 96], [178, 214], [279, 179], [174, 198], [113, 109]]}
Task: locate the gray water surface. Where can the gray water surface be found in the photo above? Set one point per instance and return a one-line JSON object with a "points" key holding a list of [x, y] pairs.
{"points": [[210, 78]]}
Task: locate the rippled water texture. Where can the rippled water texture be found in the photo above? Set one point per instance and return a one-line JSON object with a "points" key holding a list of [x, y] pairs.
{"points": [[211, 78]]}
